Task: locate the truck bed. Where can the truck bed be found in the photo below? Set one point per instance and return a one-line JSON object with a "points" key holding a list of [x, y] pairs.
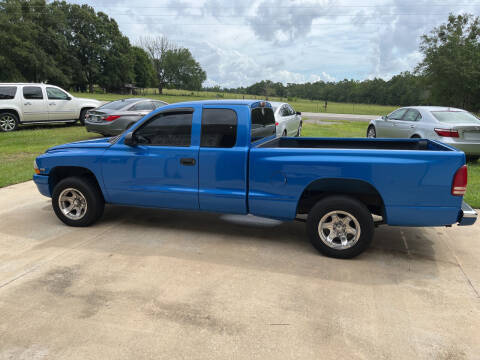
{"points": [[354, 143]]}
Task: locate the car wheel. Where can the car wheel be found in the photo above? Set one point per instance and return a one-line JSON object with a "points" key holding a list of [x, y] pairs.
{"points": [[77, 201], [8, 122], [371, 132], [415, 137], [299, 131], [284, 133], [340, 227], [81, 119]]}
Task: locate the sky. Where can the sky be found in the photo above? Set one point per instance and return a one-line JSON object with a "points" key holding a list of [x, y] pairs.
{"points": [[240, 42]]}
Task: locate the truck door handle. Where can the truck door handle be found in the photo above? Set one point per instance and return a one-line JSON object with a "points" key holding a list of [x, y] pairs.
{"points": [[52, 104], [187, 161], [27, 103], [412, 126]]}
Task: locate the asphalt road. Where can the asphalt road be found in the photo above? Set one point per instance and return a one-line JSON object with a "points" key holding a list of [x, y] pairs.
{"points": [[154, 284], [328, 116]]}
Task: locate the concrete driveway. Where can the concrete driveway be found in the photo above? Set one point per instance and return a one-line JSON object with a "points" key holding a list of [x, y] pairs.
{"points": [[153, 284]]}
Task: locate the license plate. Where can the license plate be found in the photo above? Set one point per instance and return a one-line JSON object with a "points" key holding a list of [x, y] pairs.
{"points": [[471, 135]]}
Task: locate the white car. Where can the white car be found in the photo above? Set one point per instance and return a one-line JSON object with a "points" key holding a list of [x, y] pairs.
{"points": [[287, 121], [22, 103]]}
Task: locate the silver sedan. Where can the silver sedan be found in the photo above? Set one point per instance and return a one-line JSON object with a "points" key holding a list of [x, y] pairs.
{"points": [[114, 117], [288, 122], [455, 127]]}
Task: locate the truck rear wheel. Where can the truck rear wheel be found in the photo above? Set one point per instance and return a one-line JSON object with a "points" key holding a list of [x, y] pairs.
{"points": [[77, 201], [340, 227]]}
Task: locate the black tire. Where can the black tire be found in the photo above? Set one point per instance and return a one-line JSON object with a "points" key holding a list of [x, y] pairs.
{"points": [[342, 204], [299, 131], [415, 137], [91, 194], [81, 119], [8, 122], [371, 132]]}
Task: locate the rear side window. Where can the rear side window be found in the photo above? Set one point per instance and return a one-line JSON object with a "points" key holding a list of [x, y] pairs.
{"points": [[411, 115], [7, 92], [167, 129], [263, 123], [158, 104], [219, 128], [32, 92], [144, 105]]}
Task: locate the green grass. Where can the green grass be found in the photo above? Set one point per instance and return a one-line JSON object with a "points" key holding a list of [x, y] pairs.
{"points": [[20, 148], [172, 96]]}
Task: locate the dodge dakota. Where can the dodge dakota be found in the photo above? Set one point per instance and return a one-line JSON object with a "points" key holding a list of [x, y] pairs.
{"points": [[223, 156]]}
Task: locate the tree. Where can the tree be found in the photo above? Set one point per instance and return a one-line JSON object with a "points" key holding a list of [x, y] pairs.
{"points": [[156, 48], [142, 68], [451, 64], [174, 66]]}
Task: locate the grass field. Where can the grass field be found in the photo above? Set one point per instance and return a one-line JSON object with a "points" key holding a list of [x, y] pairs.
{"points": [[19, 148], [172, 96]]}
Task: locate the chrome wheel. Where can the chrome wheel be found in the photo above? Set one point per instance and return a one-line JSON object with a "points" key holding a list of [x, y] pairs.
{"points": [[72, 204], [7, 122], [371, 133], [339, 230]]}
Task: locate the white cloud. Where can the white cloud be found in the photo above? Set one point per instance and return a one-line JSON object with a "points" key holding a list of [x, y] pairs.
{"points": [[241, 42]]}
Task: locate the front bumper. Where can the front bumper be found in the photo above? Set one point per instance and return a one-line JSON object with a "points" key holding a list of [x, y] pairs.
{"points": [[42, 184], [468, 215]]}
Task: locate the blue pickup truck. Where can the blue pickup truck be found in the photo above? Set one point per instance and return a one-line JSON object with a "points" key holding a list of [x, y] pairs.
{"points": [[223, 156]]}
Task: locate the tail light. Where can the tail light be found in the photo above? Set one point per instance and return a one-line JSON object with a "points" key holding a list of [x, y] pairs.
{"points": [[111, 118], [459, 185], [276, 124], [447, 133]]}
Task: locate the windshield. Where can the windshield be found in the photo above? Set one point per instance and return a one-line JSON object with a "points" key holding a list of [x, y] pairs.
{"points": [[117, 104], [456, 117]]}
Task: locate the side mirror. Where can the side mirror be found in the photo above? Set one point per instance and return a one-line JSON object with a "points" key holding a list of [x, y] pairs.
{"points": [[69, 98], [384, 117], [130, 139], [299, 113]]}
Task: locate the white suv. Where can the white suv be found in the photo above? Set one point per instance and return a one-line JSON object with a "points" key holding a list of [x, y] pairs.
{"points": [[39, 103]]}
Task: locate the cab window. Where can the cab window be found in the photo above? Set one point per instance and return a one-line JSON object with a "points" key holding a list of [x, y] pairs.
{"points": [[397, 114], [219, 128], [167, 129], [263, 123]]}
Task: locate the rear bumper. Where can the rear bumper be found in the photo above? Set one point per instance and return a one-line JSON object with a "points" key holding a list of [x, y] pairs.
{"points": [[109, 129], [467, 148], [468, 215], [42, 184]]}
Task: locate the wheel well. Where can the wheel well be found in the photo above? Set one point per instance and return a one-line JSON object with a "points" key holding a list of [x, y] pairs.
{"points": [[415, 136], [358, 189], [85, 108], [10, 111], [62, 172]]}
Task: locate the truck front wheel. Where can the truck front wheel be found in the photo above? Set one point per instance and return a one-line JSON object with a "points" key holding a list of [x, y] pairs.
{"points": [[77, 201], [340, 227]]}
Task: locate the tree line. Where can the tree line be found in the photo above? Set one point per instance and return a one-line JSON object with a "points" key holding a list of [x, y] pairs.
{"points": [[74, 46], [449, 75]]}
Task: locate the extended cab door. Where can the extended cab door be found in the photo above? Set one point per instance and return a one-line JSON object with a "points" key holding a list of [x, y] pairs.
{"points": [[161, 170], [223, 159], [34, 107], [60, 105]]}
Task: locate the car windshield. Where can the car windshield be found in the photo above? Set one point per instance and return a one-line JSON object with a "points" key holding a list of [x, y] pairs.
{"points": [[456, 117], [117, 104]]}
